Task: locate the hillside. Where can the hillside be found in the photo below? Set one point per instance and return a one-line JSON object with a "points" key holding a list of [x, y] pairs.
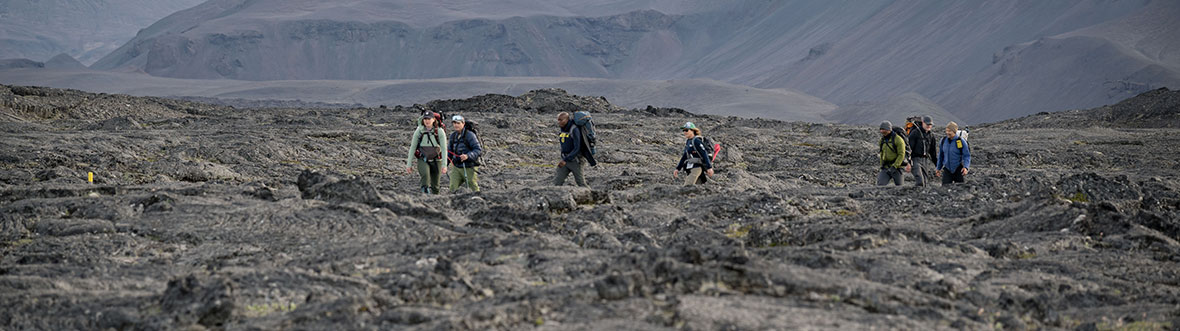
{"points": [[84, 29], [980, 60], [211, 217]]}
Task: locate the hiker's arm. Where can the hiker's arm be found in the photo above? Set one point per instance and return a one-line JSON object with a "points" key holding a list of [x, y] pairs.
{"points": [[413, 145], [576, 135], [683, 157], [966, 155], [699, 146], [900, 150], [442, 140], [474, 149]]}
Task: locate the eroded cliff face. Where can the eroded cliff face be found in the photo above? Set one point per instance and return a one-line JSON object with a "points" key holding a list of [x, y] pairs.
{"points": [[343, 49], [210, 216]]}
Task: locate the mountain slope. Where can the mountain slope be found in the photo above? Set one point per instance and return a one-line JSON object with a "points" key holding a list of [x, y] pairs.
{"points": [[84, 29], [1097, 65]]}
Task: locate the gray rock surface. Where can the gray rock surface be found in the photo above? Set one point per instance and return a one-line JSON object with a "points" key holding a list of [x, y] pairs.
{"points": [[318, 227]]}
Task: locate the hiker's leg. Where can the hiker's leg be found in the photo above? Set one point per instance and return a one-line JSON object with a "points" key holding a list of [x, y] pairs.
{"points": [[576, 168], [456, 178], [919, 172], [958, 177], [560, 174], [897, 173], [883, 177], [472, 178], [435, 173], [946, 177], [690, 178], [424, 175]]}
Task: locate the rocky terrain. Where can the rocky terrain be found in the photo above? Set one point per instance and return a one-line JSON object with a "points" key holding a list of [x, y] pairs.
{"points": [[213, 217]]}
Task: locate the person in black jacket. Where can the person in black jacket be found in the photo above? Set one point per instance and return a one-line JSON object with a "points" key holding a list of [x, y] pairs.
{"points": [[464, 152], [572, 160], [922, 150], [694, 160]]}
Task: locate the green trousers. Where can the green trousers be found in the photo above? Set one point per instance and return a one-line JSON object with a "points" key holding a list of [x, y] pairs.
{"points": [[459, 176], [430, 172]]}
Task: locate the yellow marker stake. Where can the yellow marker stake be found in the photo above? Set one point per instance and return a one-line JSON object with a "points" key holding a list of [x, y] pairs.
{"points": [[90, 177]]}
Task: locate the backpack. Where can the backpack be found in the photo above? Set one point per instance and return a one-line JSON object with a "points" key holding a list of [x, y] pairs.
{"points": [[589, 138], [469, 126], [712, 149], [422, 136], [898, 132], [911, 123]]}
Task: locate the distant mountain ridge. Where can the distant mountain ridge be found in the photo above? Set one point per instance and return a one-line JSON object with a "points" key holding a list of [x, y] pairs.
{"points": [[84, 29], [977, 60]]}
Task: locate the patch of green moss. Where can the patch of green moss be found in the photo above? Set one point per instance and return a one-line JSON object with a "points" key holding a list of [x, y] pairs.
{"points": [[1135, 326], [1079, 197], [268, 308], [737, 231]]}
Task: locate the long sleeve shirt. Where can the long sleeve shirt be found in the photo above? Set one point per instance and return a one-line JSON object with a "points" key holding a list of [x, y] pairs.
{"points": [[571, 142], [694, 149], [421, 138], [951, 154]]}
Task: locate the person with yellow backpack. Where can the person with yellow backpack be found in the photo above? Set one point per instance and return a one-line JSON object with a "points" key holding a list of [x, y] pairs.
{"points": [[954, 156]]}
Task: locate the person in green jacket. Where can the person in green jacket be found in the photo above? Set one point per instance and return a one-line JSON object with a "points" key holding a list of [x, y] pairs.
{"points": [[428, 145], [892, 155]]}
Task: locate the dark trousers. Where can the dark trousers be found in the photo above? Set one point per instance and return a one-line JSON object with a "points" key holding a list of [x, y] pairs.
{"points": [[570, 168], [918, 168], [953, 176], [887, 174]]}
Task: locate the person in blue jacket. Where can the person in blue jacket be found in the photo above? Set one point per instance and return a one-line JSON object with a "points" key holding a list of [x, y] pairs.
{"points": [[464, 153], [572, 160], [694, 159], [954, 157]]}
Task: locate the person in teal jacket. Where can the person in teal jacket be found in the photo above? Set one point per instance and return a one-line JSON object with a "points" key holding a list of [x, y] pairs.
{"points": [[428, 145]]}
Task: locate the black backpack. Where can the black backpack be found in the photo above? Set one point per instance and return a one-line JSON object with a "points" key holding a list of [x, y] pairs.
{"points": [[589, 138], [888, 140], [711, 149], [474, 128]]}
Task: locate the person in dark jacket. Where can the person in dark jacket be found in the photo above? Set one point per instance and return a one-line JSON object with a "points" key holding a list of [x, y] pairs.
{"points": [[572, 160], [694, 159], [922, 150], [954, 157], [464, 153], [892, 155]]}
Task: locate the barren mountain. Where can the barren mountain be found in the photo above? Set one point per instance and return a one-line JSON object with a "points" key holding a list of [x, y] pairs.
{"points": [[895, 110], [84, 29], [843, 52], [212, 217]]}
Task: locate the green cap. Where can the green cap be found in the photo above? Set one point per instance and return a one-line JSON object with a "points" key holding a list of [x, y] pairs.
{"points": [[689, 126]]}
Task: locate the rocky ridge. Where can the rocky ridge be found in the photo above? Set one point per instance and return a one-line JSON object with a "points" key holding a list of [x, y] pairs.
{"points": [[206, 216]]}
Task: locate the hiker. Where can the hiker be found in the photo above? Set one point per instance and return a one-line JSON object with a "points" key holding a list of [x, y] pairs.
{"points": [[464, 151], [695, 158], [428, 144], [572, 160], [892, 155], [922, 150], [954, 156]]}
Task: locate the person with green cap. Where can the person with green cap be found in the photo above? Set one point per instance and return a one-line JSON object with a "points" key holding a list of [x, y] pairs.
{"points": [[695, 158], [464, 152], [428, 144], [892, 155]]}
